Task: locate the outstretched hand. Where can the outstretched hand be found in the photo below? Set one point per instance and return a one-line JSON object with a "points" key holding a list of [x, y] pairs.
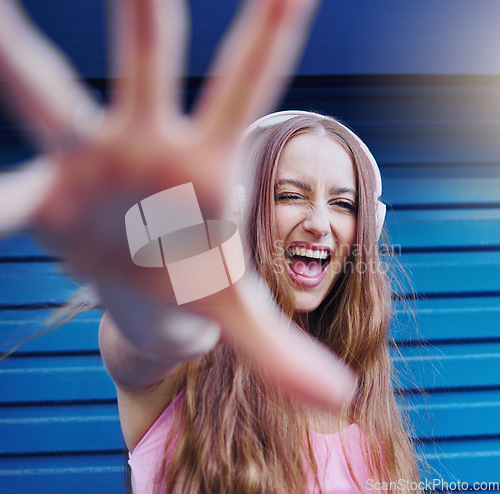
{"points": [[96, 163]]}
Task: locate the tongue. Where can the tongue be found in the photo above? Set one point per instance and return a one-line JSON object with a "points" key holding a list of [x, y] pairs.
{"points": [[305, 267]]}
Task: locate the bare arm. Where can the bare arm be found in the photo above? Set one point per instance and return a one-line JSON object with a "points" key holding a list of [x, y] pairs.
{"points": [[142, 382], [129, 368]]}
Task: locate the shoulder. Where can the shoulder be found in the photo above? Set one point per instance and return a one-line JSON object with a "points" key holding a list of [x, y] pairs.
{"points": [[139, 408], [144, 387]]}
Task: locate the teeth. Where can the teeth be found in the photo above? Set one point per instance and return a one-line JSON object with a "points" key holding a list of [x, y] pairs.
{"points": [[311, 253]]}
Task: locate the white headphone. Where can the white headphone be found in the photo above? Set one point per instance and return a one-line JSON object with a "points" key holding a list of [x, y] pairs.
{"points": [[276, 118]]}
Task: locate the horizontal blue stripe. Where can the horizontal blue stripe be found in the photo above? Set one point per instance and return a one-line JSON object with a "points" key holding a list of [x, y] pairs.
{"points": [[78, 335]]}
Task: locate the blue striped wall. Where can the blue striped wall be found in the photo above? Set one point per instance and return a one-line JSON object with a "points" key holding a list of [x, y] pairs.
{"points": [[437, 142], [436, 139]]}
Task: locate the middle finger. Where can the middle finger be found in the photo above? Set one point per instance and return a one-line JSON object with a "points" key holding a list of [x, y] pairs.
{"points": [[149, 53]]}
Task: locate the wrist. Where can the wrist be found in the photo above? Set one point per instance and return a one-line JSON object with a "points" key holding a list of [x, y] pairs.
{"points": [[156, 329]]}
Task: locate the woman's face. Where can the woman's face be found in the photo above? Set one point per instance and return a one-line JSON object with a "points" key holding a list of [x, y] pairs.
{"points": [[315, 198]]}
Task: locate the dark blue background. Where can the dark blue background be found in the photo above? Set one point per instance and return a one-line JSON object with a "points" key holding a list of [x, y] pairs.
{"points": [[348, 36]]}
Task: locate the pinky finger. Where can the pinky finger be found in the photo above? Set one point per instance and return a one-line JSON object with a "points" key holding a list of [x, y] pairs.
{"points": [[21, 193], [45, 90]]}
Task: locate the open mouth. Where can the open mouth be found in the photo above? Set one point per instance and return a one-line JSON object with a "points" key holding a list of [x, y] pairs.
{"points": [[307, 264]]}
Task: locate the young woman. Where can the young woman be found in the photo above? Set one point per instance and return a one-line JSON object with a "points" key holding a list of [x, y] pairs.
{"points": [[229, 393], [313, 225]]}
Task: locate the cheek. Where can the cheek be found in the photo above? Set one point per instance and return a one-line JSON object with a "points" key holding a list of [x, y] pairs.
{"points": [[284, 222], [347, 235], [352, 231]]}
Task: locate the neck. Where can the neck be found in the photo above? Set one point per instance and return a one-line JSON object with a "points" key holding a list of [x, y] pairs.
{"points": [[306, 320]]}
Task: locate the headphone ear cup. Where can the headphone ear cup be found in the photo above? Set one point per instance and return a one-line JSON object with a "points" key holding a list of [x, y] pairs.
{"points": [[241, 198], [379, 217]]}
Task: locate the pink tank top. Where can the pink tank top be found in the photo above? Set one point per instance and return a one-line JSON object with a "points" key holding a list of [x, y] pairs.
{"points": [[333, 473]]}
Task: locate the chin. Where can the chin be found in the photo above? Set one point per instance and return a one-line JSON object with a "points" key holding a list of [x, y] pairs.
{"points": [[305, 303]]}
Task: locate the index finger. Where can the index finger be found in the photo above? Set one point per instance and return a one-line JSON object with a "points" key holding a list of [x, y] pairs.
{"points": [[254, 64]]}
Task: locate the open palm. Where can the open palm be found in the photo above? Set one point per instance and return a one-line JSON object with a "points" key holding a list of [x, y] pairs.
{"points": [[95, 163]]}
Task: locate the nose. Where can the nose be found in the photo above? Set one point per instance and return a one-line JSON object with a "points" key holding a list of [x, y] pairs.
{"points": [[317, 222]]}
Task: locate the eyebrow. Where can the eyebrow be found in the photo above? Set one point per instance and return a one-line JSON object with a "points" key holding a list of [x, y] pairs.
{"points": [[291, 181], [305, 186]]}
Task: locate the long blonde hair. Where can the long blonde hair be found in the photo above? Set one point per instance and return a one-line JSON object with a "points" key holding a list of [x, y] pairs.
{"points": [[236, 433]]}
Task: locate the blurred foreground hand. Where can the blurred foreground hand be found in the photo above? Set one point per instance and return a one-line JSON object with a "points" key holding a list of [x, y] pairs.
{"points": [[95, 163]]}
